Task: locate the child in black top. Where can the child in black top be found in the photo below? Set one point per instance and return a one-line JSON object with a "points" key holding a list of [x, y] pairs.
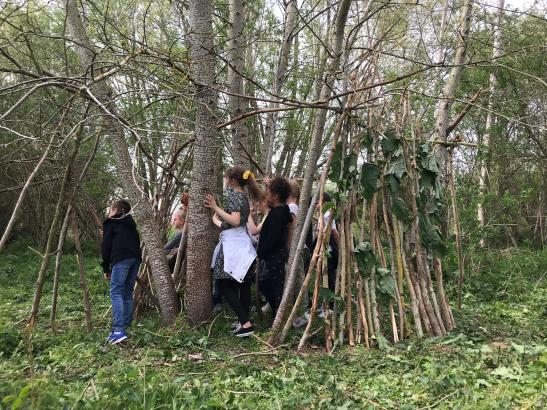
{"points": [[273, 243], [121, 254]]}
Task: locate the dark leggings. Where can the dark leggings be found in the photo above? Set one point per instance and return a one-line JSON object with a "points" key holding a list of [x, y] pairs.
{"points": [[272, 282], [238, 296], [217, 295]]}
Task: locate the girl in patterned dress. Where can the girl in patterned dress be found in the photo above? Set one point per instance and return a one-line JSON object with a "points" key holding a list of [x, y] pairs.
{"points": [[234, 254]]}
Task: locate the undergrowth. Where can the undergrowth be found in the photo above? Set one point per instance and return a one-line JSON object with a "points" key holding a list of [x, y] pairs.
{"points": [[496, 358]]}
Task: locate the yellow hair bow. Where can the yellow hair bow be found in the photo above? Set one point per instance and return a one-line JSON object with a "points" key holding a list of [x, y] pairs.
{"points": [[246, 175]]}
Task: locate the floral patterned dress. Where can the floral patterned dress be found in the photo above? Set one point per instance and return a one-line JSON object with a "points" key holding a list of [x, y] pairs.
{"points": [[234, 201]]}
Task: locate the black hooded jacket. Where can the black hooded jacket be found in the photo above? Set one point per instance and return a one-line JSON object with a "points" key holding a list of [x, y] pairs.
{"points": [[120, 241]]}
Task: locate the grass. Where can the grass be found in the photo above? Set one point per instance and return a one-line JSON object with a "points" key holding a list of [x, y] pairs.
{"points": [[495, 359]]}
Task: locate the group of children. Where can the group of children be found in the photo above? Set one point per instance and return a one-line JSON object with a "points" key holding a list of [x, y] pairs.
{"points": [[242, 244], [242, 241]]}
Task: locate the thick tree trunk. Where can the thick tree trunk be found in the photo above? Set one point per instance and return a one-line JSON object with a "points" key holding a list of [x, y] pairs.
{"points": [[490, 119], [201, 236], [102, 95], [291, 17], [236, 103]]}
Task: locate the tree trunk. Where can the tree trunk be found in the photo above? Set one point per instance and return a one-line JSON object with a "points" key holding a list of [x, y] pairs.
{"points": [[22, 196], [446, 99], [57, 271], [490, 119], [315, 151], [81, 269], [51, 234], [236, 65], [291, 16], [102, 95], [201, 236]]}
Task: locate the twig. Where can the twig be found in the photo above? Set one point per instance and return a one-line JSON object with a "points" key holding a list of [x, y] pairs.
{"points": [[250, 158], [211, 326], [264, 342], [438, 401], [266, 353], [155, 334], [83, 392], [107, 311], [35, 251]]}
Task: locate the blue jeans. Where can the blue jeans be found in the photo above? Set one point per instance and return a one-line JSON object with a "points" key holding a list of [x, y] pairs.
{"points": [[122, 282]]}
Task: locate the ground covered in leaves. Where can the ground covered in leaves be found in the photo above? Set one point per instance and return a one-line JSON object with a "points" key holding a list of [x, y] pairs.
{"points": [[495, 359]]}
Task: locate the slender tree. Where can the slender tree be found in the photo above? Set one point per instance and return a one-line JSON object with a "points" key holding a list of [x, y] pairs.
{"points": [[446, 99], [490, 118], [291, 18], [100, 92], [335, 51], [237, 103]]}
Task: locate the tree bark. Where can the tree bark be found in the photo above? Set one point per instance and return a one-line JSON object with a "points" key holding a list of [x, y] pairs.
{"points": [[81, 269], [315, 151], [490, 120], [201, 237], [57, 271], [22, 196], [142, 210], [236, 103], [281, 70], [49, 243], [444, 104]]}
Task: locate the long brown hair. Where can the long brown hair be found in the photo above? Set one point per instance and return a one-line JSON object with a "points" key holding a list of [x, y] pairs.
{"points": [[253, 189], [295, 189]]}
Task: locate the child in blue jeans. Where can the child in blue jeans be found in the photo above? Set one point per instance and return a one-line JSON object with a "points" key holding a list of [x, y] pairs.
{"points": [[121, 254]]}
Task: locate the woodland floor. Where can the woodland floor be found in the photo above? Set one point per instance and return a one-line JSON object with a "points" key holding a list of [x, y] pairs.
{"points": [[495, 359]]}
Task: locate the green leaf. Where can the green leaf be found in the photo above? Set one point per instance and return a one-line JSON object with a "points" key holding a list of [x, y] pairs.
{"points": [[383, 344], [17, 403], [8, 399], [505, 373], [368, 140], [365, 258], [389, 143], [397, 167], [385, 283], [369, 179], [520, 349], [431, 236], [392, 183], [429, 162], [326, 293], [400, 209], [427, 181]]}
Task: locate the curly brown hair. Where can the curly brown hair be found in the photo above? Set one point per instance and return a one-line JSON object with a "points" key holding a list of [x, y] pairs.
{"points": [[280, 186]]}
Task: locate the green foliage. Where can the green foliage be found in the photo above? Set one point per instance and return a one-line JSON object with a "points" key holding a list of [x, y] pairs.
{"points": [[369, 179], [496, 360], [365, 258], [400, 209], [385, 283], [343, 170]]}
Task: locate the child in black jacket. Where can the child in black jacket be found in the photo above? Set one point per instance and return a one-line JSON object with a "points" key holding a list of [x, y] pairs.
{"points": [[121, 254], [273, 243]]}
